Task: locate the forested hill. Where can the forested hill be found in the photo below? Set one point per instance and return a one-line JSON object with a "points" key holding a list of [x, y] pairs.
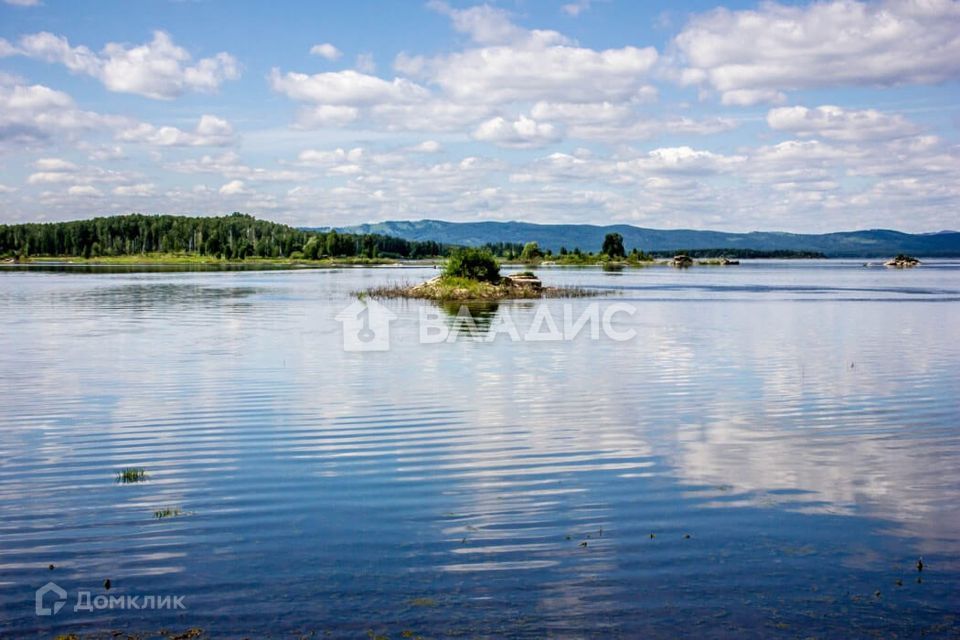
{"points": [[240, 236], [234, 237], [869, 243]]}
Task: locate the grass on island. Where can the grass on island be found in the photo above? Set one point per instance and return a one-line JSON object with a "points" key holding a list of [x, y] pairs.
{"points": [[451, 288], [474, 275]]}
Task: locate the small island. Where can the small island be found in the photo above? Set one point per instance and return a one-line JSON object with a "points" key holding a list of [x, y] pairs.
{"points": [[473, 274], [902, 261]]}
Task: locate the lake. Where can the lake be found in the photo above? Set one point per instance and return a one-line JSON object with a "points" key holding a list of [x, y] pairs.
{"points": [[769, 454]]}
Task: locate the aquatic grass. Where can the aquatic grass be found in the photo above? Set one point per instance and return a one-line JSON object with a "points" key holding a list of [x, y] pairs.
{"points": [[449, 288], [391, 290], [570, 291], [131, 475], [158, 634], [423, 602], [373, 635], [168, 512]]}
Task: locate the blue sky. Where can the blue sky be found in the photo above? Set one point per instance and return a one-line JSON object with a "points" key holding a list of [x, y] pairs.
{"points": [[742, 116]]}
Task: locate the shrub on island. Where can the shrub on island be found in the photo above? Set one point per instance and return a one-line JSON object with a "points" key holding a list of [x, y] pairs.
{"points": [[473, 264]]}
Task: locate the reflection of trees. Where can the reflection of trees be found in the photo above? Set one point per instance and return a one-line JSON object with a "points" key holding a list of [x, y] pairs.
{"points": [[482, 312], [471, 320]]}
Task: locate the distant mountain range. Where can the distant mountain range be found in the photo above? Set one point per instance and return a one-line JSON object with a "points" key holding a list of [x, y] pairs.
{"points": [[871, 243]]}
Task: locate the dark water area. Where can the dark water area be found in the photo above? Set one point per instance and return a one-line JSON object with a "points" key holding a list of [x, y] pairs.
{"points": [[769, 455]]}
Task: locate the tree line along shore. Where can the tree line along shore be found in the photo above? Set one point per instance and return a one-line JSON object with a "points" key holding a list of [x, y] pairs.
{"points": [[137, 238]]}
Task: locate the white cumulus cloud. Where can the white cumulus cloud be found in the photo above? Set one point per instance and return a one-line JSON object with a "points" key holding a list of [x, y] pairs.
{"points": [[752, 56], [427, 146], [347, 87], [210, 131], [836, 123], [574, 9], [557, 73], [483, 23], [85, 191], [157, 69], [521, 133], [39, 114], [142, 190], [326, 50], [234, 188]]}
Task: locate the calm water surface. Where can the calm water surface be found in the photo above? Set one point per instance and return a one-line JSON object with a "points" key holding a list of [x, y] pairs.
{"points": [[799, 421]]}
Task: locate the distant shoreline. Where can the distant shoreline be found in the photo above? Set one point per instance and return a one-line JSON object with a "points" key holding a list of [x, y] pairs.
{"points": [[151, 259], [864, 243], [159, 260], [240, 237]]}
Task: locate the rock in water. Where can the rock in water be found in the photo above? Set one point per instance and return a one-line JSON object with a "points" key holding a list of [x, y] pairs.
{"points": [[902, 261], [523, 281]]}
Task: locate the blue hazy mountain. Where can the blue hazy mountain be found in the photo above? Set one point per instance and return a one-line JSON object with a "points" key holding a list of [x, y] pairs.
{"points": [[866, 243]]}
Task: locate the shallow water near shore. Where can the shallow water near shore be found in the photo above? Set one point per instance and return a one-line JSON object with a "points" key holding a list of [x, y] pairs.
{"points": [[769, 456]]}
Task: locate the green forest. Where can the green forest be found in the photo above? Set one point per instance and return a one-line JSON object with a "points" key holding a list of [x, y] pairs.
{"points": [[239, 237], [234, 237]]}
